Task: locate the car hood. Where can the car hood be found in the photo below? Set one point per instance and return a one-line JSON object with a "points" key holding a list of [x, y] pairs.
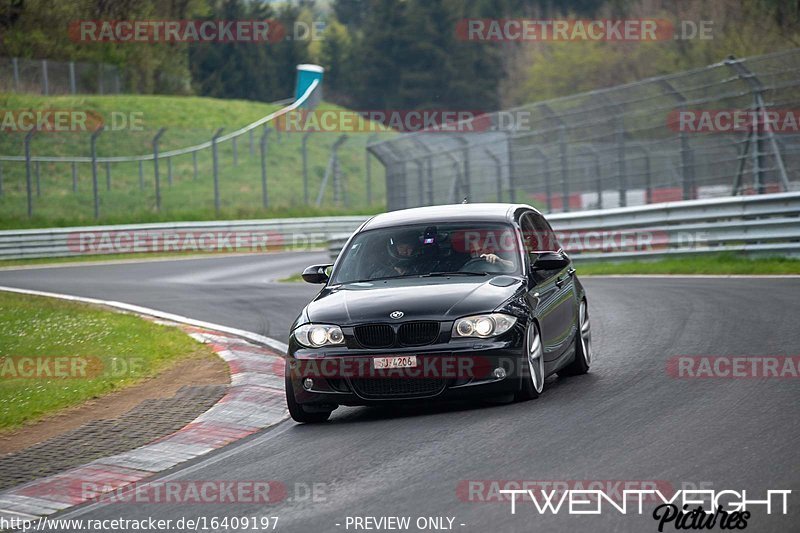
{"points": [[433, 299]]}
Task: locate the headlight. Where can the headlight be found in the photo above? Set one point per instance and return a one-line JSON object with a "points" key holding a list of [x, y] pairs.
{"points": [[318, 335], [483, 325]]}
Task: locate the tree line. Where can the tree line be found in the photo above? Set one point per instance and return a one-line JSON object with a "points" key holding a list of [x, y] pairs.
{"points": [[395, 54]]}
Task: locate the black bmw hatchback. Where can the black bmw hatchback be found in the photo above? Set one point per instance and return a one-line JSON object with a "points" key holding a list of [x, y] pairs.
{"points": [[435, 303]]}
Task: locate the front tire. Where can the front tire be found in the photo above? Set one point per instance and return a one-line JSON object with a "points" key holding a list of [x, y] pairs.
{"points": [[296, 410], [532, 365]]}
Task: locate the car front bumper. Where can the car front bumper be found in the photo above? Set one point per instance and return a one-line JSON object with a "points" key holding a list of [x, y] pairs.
{"points": [[450, 371]]}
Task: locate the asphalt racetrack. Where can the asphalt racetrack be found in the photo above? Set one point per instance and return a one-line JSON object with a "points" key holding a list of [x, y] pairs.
{"points": [[628, 419]]}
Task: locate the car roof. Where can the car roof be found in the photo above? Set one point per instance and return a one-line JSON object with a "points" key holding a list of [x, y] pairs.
{"points": [[495, 212]]}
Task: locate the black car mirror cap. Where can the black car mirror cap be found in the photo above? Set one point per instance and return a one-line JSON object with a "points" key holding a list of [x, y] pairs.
{"points": [[316, 274], [550, 261]]}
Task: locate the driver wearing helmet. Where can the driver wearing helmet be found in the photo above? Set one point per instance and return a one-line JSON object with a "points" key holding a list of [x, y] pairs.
{"points": [[403, 257]]}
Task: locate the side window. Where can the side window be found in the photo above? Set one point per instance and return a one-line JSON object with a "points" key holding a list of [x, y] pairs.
{"points": [[537, 234], [528, 233]]}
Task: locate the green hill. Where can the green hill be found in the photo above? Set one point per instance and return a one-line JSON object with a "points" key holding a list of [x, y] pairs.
{"points": [[189, 120]]}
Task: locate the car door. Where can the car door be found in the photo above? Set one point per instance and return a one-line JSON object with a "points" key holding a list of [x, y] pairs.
{"points": [[556, 304]]}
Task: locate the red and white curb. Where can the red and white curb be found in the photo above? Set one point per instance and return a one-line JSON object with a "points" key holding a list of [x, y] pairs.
{"points": [[253, 401]]}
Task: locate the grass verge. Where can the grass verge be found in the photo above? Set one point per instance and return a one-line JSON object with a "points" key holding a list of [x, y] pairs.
{"points": [[56, 354], [720, 264], [125, 197]]}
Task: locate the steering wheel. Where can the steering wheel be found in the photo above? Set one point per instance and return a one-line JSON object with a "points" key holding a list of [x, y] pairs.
{"points": [[479, 262]]}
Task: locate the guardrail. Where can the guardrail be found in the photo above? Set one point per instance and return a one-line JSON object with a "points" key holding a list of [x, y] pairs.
{"points": [[763, 224], [766, 224], [214, 236]]}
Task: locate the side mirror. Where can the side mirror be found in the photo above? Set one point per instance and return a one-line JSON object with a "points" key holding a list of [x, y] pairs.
{"points": [[316, 274], [550, 261]]}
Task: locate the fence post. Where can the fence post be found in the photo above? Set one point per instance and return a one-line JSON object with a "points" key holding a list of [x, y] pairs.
{"points": [[194, 165], [141, 174], [95, 191], [368, 162], [420, 181], [45, 80], [648, 187], [546, 167], [169, 171], [758, 99], [304, 151], [15, 63], [108, 175], [216, 168], [100, 81], [252, 146], [155, 168], [589, 150], [466, 185], [331, 170], [337, 174], [498, 170], [512, 181], [562, 153], [263, 144], [72, 85], [38, 180], [621, 163], [687, 158], [28, 187], [74, 177]]}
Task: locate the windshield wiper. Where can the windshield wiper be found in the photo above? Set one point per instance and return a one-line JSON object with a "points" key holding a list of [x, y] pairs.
{"points": [[456, 273], [379, 279]]}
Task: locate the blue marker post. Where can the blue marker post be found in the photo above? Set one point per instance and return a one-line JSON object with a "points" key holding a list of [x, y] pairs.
{"points": [[306, 74]]}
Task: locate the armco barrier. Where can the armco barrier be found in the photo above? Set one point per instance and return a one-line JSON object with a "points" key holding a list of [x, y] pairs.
{"points": [[292, 233], [767, 224], [764, 224]]}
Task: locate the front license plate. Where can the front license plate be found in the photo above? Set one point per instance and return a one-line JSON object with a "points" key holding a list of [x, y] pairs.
{"points": [[404, 361]]}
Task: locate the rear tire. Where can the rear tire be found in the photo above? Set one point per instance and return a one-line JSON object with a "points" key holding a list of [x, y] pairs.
{"points": [[532, 365], [583, 345], [296, 410]]}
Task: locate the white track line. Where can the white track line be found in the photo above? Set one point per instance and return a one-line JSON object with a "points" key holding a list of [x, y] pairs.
{"points": [[254, 337]]}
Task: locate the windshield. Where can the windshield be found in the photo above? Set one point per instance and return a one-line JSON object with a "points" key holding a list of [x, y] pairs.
{"points": [[464, 248]]}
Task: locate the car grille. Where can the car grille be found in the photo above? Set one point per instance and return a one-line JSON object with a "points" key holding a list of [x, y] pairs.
{"points": [[408, 334], [397, 387], [418, 333], [375, 335]]}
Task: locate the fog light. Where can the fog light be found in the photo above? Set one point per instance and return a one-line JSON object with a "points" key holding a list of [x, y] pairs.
{"points": [[499, 373], [308, 383]]}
